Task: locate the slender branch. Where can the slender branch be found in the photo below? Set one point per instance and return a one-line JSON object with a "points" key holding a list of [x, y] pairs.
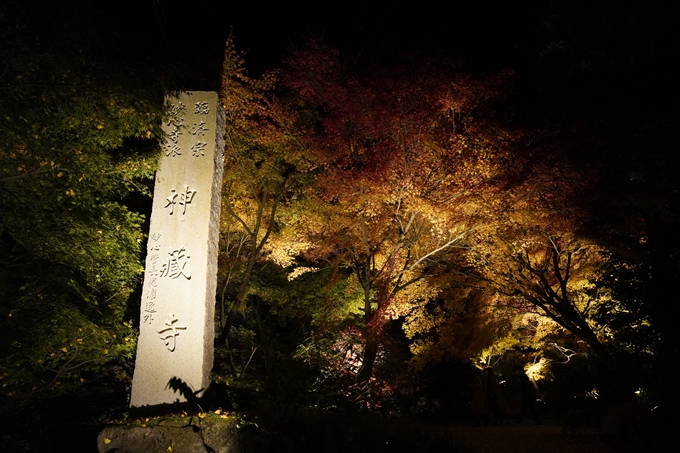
{"points": [[239, 219], [36, 85], [254, 349], [33, 173], [449, 244], [270, 225]]}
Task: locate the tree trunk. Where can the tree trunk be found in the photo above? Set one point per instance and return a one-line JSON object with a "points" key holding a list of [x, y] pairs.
{"points": [[252, 258], [236, 306], [370, 353], [371, 347]]}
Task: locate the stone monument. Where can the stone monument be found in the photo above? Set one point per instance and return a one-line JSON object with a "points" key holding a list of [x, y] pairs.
{"points": [[176, 331]]}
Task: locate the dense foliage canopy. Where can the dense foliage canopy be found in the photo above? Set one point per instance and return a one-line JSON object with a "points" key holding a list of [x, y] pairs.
{"points": [[79, 130], [452, 223]]}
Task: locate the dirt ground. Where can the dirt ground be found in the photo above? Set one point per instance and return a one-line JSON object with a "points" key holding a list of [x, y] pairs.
{"points": [[526, 438]]}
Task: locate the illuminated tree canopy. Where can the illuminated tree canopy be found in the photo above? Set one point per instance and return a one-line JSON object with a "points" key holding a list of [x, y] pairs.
{"points": [[417, 190]]}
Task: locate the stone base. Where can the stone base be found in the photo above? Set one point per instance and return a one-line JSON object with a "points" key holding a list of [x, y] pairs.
{"points": [[187, 435]]}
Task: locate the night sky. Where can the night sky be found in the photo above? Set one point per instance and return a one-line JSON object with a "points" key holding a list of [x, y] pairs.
{"points": [[485, 34], [612, 48], [637, 44]]}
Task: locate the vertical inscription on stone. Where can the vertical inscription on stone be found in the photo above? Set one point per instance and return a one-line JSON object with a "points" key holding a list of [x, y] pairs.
{"points": [[176, 329]]}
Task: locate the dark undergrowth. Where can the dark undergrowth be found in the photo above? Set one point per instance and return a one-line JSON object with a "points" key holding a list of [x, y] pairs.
{"points": [[358, 433]]}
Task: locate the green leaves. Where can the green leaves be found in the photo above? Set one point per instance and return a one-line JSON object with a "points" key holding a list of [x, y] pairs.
{"points": [[78, 136]]}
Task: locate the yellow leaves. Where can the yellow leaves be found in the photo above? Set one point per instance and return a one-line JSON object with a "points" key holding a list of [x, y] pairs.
{"points": [[64, 349], [421, 346], [71, 193], [418, 322], [107, 440], [299, 271], [221, 413], [537, 371], [283, 251], [60, 174]]}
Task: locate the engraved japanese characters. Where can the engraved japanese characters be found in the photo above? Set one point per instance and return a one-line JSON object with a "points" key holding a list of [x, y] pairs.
{"points": [[177, 309]]}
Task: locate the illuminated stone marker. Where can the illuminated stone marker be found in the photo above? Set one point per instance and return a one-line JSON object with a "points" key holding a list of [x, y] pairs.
{"points": [[176, 330]]}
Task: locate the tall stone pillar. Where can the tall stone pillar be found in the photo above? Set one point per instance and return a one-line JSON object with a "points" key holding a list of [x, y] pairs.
{"points": [[176, 331]]}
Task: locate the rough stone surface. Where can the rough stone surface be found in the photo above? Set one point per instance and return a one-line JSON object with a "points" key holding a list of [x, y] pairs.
{"points": [[188, 438], [175, 346]]}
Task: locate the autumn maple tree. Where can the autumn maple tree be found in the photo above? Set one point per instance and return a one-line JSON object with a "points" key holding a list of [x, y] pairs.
{"points": [[405, 154], [533, 252], [264, 164]]}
